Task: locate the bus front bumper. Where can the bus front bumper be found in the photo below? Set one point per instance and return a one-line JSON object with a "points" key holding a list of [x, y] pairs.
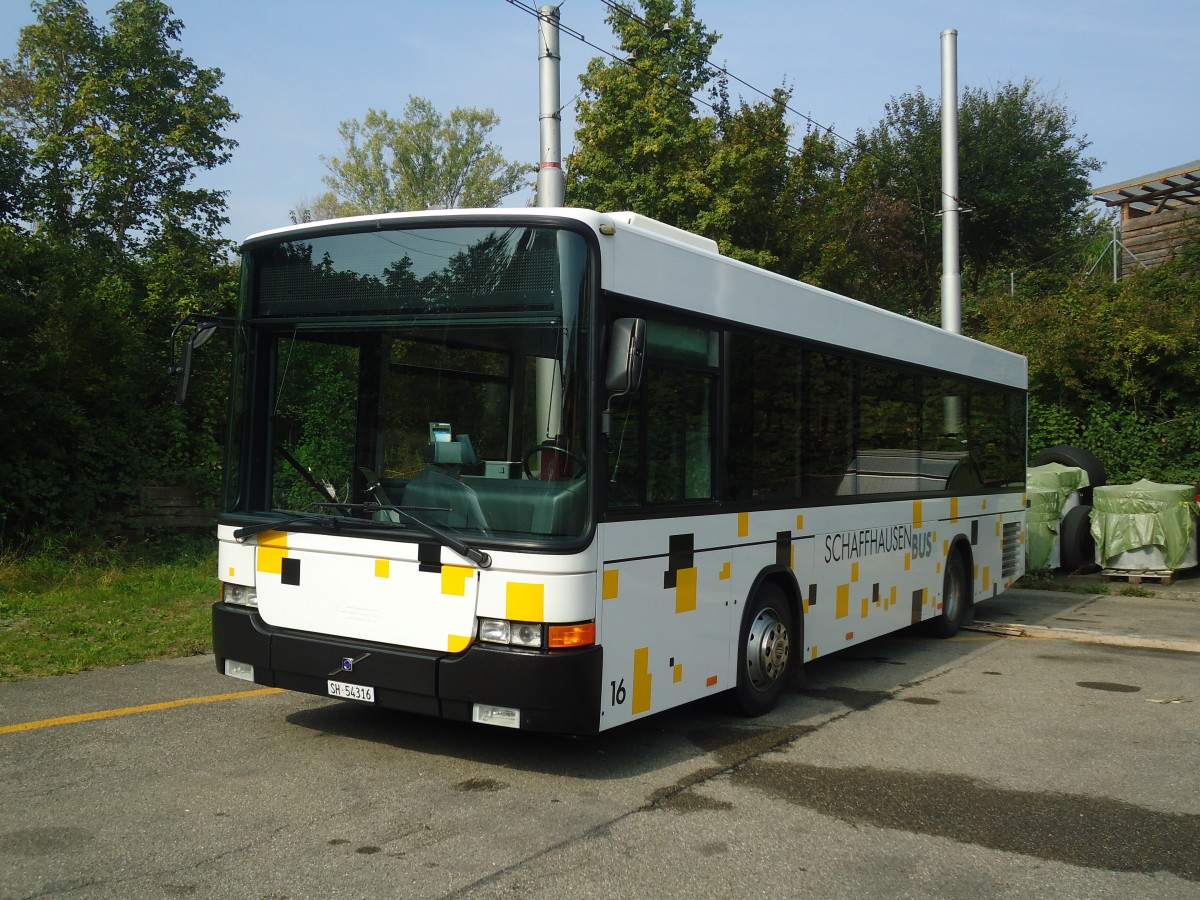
{"points": [[556, 692]]}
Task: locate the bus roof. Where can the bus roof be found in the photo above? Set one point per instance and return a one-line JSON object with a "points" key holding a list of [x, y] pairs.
{"points": [[650, 260]]}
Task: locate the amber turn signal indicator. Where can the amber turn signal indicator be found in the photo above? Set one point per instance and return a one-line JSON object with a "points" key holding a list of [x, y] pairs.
{"points": [[565, 637]]}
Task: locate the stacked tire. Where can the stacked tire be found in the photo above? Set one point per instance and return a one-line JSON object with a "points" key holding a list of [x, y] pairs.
{"points": [[1077, 547]]}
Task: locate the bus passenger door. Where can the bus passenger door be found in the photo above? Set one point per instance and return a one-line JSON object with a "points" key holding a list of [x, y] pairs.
{"points": [[665, 581]]}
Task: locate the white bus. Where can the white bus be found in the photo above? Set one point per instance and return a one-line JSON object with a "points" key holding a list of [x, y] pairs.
{"points": [[558, 470]]}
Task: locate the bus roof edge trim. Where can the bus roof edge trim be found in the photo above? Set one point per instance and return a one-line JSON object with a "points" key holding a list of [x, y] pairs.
{"points": [[662, 229]]}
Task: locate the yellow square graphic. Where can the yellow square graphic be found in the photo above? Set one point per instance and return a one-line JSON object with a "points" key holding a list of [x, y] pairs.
{"points": [[382, 567], [457, 643], [725, 569], [270, 560], [610, 585], [642, 680], [743, 524], [678, 675], [843, 601], [799, 523], [525, 602], [917, 514], [272, 551], [685, 590], [454, 579]]}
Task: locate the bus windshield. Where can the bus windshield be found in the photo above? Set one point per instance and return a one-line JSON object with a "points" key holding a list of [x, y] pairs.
{"points": [[435, 374]]}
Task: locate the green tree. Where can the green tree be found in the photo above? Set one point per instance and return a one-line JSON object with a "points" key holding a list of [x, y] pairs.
{"points": [[117, 121], [423, 161], [104, 242], [1114, 368], [751, 179], [640, 144], [1023, 177]]}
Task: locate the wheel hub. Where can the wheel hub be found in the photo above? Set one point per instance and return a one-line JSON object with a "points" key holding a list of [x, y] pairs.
{"points": [[767, 648]]}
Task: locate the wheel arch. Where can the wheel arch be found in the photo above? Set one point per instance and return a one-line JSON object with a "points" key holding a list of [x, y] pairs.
{"points": [[785, 578]]}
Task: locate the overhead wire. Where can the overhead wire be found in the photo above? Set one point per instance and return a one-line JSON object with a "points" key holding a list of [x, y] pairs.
{"points": [[525, 7], [722, 70], [619, 8]]}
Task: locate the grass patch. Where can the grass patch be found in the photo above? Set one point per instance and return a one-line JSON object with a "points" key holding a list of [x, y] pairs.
{"points": [[1134, 591], [1046, 580], [67, 612]]}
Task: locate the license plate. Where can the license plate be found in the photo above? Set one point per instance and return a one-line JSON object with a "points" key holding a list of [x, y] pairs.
{"points": [[351, 691]]}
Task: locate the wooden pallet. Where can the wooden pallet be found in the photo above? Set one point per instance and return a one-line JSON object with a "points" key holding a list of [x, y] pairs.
{"points": [[1159, 576]]}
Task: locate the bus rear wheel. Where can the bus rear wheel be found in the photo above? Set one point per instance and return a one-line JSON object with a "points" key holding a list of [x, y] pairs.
{"points": [[956, 592], [765, 651]]}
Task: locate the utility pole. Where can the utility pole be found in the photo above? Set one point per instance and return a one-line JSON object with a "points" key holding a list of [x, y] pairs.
{"points": [[551, 186], [951, 272]]}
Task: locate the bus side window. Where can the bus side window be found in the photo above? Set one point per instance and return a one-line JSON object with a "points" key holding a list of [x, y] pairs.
{"points": [[679, 435], [661, 447]]}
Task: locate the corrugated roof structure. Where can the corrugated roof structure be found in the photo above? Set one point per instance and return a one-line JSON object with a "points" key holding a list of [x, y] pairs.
{"points": [[1160, 213], [1154, 193]]}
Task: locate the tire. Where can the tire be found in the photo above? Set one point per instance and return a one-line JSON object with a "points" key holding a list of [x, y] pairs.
{"points": [[956, 595], [1076, 546], [766, 651], [1066, 455]]}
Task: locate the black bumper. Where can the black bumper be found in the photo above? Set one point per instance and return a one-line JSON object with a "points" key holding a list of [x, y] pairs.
{"points": [[557, 692]]}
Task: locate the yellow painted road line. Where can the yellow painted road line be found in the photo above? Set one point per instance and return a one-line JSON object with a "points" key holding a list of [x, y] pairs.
{"points": [[132, 710]]}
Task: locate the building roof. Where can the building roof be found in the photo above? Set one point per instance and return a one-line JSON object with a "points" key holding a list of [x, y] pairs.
{"points": [[1169, 189]]}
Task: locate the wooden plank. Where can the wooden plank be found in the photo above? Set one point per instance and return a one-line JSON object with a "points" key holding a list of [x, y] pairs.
{"points": [[1083, 637]]}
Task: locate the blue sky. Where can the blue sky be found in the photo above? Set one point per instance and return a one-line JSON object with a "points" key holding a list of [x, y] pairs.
{"points": [[294, 69]]}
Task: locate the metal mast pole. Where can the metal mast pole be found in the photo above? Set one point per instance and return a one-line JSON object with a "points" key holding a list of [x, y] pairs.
{"points": [[951, 273], [551, 186]]}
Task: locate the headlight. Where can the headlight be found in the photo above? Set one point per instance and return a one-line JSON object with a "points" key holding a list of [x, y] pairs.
{"points": [[239, 595], [514, 634], [495, 631], [526, 634]]}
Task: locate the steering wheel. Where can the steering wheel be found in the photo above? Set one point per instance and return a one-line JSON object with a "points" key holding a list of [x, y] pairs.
{"points": [[573, 457]]}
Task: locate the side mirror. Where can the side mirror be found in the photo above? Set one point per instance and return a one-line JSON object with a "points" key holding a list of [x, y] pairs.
{"points": [[626, 352], [201, 332]]}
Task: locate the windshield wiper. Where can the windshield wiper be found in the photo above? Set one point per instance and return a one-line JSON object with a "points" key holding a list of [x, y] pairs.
{"points": [[246, 531], [479, 557]]}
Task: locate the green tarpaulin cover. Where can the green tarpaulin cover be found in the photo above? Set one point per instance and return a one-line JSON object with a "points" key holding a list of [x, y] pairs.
{"points": [[1145, 514], [1047, 488]]}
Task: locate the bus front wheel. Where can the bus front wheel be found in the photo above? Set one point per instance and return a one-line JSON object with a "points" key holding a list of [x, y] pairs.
{"points": [[765, 651]]}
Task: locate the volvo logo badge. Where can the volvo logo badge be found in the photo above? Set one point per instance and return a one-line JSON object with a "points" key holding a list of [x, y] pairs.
{"points": [[348, 664]]}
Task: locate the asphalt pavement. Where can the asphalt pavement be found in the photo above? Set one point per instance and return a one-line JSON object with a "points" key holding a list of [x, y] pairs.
{"points": [[1046, 751], [1109, 611]]}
